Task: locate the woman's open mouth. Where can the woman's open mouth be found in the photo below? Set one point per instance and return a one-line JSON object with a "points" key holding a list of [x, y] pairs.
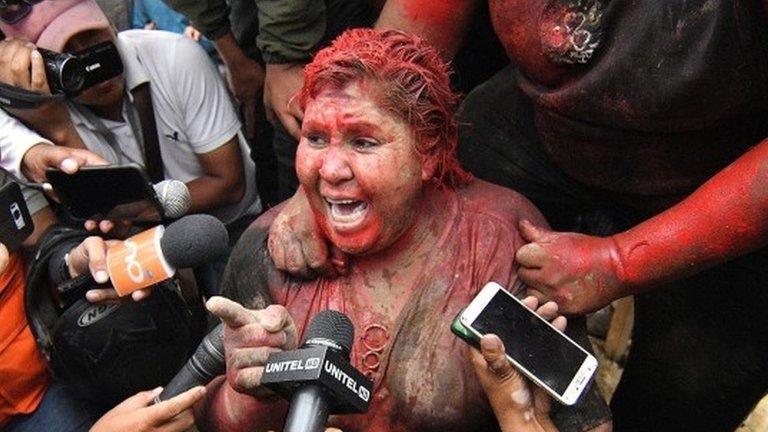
{"points": [[346, 211]]}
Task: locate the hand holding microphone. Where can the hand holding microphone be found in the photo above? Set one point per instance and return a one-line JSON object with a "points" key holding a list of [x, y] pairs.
{"points": [[144, 259]]}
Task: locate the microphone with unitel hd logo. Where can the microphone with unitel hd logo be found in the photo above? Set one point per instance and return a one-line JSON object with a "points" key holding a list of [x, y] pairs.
{"points": [[318, 378], [153, 255], [205, 364]]}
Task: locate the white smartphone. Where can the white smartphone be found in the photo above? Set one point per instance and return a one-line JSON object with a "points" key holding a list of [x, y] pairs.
{"points": [[545, 355]]}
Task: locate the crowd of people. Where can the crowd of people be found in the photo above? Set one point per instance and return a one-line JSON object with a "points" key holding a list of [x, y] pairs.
{"points": [[620, 152]]}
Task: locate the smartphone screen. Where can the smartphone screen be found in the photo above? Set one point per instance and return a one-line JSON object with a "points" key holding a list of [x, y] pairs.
{"points": [[546, 354], [110, 192]]}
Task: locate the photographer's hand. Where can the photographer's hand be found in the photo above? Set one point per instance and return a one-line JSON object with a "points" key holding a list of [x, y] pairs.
{"points": [[21, 65], [43, 156]]}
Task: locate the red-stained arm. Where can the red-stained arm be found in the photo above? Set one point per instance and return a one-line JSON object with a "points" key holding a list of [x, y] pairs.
{"points": [[442, 22], [722, 219], [224, 409]]}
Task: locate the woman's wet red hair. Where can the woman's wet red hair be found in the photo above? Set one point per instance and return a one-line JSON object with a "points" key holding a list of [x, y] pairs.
{"points": [[415, 86]]}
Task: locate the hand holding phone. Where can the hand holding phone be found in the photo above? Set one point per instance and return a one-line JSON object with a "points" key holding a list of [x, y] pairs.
{"points": [[107, 192], [517, 403], [536, 348]]}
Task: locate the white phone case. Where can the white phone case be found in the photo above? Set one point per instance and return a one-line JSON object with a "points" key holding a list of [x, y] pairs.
{"points": [[579, 381]]}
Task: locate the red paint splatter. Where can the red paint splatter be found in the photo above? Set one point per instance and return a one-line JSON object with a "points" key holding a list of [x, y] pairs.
{"points": [[414, 83]]}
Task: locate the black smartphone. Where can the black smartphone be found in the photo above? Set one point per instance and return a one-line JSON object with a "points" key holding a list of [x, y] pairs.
{"points": [[538, 350], [15, 221], [107, 192]]}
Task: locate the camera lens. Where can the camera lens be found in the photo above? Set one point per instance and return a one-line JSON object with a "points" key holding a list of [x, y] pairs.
{"points": [[71, 75], [64, 71]]}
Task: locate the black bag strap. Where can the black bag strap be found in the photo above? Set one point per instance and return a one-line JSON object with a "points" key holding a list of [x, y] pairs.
{"points": [[142, 100]]}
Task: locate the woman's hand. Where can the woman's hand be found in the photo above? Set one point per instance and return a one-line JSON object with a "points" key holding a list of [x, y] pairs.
{"points": [[138, 414], [250, 337], [91, 256], [519, 405]]}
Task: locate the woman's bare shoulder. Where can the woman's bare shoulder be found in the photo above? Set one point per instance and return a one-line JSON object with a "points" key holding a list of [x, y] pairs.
{"points": [[497, 201]]}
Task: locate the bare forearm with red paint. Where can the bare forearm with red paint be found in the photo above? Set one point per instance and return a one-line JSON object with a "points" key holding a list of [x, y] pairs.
{"points": [[224, 409], [442, 22], [722, 219]]}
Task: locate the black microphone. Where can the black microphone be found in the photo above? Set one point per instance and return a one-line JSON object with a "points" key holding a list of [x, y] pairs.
{"points": [[205, 364], [189, 242], [317, 378]]}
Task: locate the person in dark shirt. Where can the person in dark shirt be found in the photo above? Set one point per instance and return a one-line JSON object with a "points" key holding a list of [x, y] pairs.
{"points": [[641, 125]]}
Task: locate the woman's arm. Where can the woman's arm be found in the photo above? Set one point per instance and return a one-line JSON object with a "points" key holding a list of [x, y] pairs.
{"points": [[240, 402]]}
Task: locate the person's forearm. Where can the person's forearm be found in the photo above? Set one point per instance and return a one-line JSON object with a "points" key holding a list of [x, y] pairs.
{"points": [[443, 23], [230, 52], [209, 192], [724, 218]]}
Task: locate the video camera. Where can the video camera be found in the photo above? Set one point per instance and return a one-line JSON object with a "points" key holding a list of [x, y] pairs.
{"points": [[67, 74]]}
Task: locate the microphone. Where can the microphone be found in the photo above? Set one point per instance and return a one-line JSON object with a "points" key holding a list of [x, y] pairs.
{"points": [[174, 198], [153, 255], [205, 364], [317, 378]]}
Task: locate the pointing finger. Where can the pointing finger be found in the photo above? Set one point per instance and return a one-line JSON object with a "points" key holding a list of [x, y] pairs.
{"points": [[233, 314]]}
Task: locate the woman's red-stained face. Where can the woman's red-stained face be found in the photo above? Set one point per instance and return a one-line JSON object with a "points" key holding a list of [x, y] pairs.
{"points": [[359, 168]]}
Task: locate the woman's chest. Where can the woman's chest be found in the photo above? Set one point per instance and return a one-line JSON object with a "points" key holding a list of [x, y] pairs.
{"points": [[421, 373]]}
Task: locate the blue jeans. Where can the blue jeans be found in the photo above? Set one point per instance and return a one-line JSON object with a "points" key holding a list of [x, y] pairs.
{"points": [[61, 410]]}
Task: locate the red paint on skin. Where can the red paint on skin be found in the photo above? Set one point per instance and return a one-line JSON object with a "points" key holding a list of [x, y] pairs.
{"points": [[424, 381], [420, 94], [722, 219], [350, 150], [402, 109], [441, 22], [432, 11]]}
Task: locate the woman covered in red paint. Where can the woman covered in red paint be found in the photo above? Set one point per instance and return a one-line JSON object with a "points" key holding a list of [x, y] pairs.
{"points": [[377, 162]]}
